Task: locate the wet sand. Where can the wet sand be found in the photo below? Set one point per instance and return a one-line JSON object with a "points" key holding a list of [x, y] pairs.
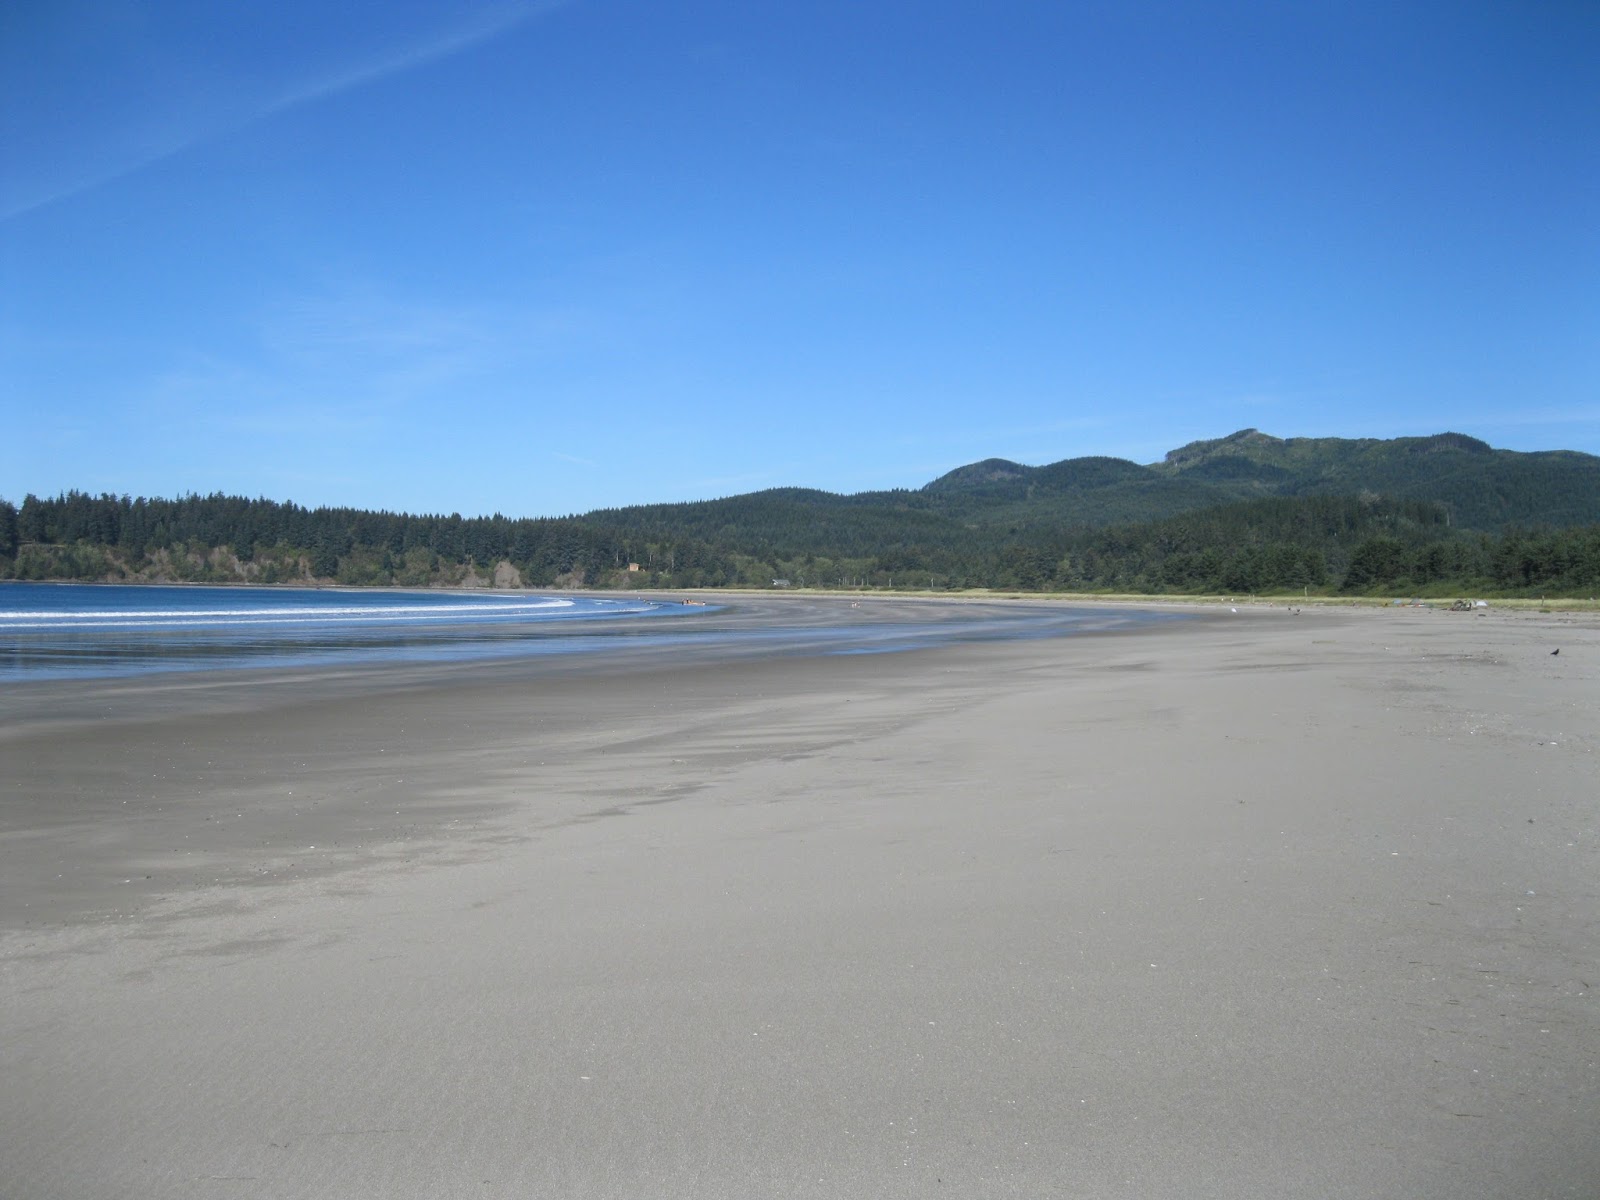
{"points": [[1251, 905]]}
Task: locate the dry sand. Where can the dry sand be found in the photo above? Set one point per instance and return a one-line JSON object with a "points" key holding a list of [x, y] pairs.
{"points": [[1254, 905]]}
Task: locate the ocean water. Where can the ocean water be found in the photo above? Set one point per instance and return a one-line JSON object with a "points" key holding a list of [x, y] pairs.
{"points": [[101, 631], [86, 631]]}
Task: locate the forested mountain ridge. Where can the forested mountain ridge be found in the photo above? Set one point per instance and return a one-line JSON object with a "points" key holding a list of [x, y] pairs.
{"points": [[1249, 512], [1481, 489], [1484, 488]]}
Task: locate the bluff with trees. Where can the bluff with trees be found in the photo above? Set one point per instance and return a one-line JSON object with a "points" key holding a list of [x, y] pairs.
{"points": [[1246, 513]]}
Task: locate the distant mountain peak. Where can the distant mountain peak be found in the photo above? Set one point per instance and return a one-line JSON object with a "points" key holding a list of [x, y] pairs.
{"points": [[1447, 441], [978, 474], [1228, 455], [1484, 488], [1245, 441]]}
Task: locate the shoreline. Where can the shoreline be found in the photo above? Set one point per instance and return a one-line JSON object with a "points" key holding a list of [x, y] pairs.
{"points": [[665, 595], [739, 626], [1237, 906]]}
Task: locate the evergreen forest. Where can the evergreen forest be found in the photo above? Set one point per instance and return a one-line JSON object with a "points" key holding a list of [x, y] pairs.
{"points": [[1245, 514]]}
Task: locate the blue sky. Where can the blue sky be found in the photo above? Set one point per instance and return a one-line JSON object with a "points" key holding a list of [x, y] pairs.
{"points": [[543, 257]]}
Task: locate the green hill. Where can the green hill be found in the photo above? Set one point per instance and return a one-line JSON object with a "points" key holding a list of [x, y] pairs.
{"points": [[1479, 488], [1242, 513], [1483, 488]]}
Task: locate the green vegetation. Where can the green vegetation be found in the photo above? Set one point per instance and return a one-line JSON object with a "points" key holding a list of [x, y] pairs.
{"points": [[1244, 514], [216, 539]]}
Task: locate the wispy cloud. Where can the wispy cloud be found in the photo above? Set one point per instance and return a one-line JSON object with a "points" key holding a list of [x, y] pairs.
{"points": [[23, 195], [27, 197], [489, 25], [360, 361]]}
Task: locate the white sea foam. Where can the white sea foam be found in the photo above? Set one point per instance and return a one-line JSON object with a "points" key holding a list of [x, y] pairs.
{"points": [[61, 631], [286, 615], [291, 611]]}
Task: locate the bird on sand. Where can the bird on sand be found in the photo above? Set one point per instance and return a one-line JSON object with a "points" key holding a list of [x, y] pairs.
{"points": [[1557, 650]]}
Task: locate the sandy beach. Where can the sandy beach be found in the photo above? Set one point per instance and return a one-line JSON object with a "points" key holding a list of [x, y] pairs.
{"points": [[1252, 904]]}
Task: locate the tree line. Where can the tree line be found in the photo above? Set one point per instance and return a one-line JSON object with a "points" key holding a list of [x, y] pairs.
{"points": [[221, 538], [1359, 544]]}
